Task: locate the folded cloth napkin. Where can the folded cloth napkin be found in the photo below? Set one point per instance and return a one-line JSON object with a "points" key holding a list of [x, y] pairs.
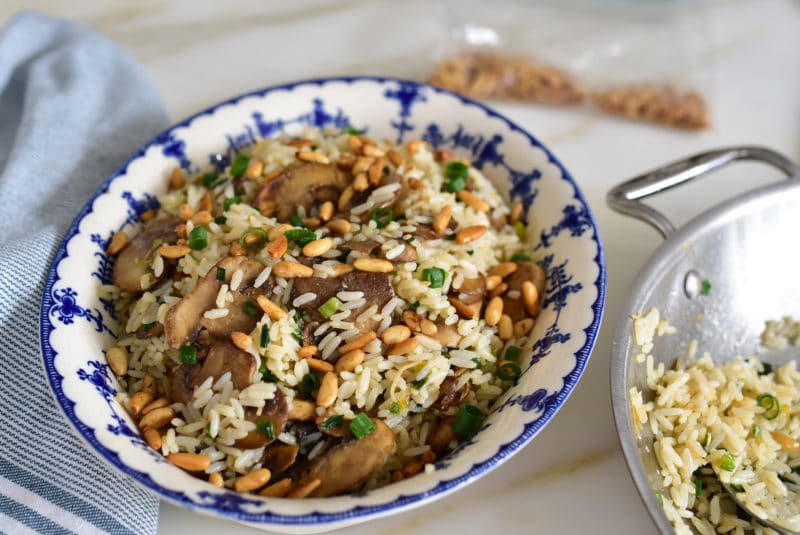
{"points": [[73, 107]]}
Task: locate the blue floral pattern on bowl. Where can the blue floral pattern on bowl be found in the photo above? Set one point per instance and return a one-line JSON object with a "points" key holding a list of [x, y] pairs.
{"points": [[76, 325]]}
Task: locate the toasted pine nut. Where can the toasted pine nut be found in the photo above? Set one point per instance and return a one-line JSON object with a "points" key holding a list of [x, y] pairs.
{"points": [[472, 200], [427, 327], [500, 289], [186, 212], [492, 282], [152, 437], [340, 226], [319, 365], [358, 343], [155, 404], [414, 145], [174, 251], [326, 211], [118, 241], [396, 158], [300, 142], [278, 230], [362, 165], [462, 308], [254, 168], [157, 418], [328, 389], [193, 462], [523, 326], [149, 385], [216, 480], [317, 247], [117, 358], [412, 468], [271, 309], [241, 340], [442, 219], [305, 488], [176, 179], [376, 171], [428, 457], [341, 269], [415, 183], [345, 198], [278, 248], [236, 249], [350, 360], [444, 156], [312, 156], [354, 142], [180, 230], [531, 298], [292, 270], [412, 319], [139, 400], [373, 265], [252, 481], [346, 160], [493, 311], [205, 202], [277, 490], [470, 234], [395, 334], [516, 211], [404, 347], [504, 269], [306, 351], [372, 150], [360, 182], [203, 217], [147, 215], [300, 409], [505, 328]]}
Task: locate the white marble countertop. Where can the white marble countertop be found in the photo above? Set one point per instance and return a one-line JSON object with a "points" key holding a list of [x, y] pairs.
{"points": [[572, 478]]}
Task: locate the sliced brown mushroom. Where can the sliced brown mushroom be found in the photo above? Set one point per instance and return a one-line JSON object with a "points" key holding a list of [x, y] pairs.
{"points": [[183, 379], [184, 318], [447, 335], [276, 412], [349, 463], [471, 290], [442, 435], [304, 185], [526, 271], [362, 197], [222, 356], [373, 248], [278, 457], [135, 259], [450, 394], [376, 287], [426, 232]]}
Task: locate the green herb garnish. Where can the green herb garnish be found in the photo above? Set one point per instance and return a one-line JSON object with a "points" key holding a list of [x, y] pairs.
{"points": [[265, 427], [468, 420], [297, 221], [209, 179], [230, 201], [300, 236], [253, 238], [264, 341], [198, 238], [362, 426], [251, 309], [309, 382], [705, 287], [435, 276], [187, 354], [770, 404], [239, 165], [455, 173], [382, 216], [220, 220], [330, 307], [266, 374], [512, 353], [727, 462], [221, 274], [519, 257], [509, 371], [334, 422]]}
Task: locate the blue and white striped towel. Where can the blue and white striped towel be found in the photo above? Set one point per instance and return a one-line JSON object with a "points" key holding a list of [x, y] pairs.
{"points": [[73, 106]]}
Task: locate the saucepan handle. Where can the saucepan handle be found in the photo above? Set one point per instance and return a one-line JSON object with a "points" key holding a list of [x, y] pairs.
{"points": [[626, 197]]}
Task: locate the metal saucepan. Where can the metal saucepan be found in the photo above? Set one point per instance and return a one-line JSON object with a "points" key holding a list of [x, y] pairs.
{"points": [[746, 247]]}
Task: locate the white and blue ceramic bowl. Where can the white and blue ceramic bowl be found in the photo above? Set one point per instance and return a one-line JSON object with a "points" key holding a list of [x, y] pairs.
{"points": [[76, 326]]}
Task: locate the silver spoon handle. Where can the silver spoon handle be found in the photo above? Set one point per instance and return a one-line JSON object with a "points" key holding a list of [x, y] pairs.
{"points": [[625, 198]]}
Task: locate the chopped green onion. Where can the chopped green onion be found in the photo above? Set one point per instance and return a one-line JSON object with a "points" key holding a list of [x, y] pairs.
{"points": [[495, 351], [300, 236], [239, 165], [456, 173], [705, 287], [334, 422], [218, 183], [739, 488], [707, 443], [147, 326], [414, 306], [188, 354], [468, 420], [766, 368], [770, 404], [330, 307], [450, 237], [362, 426], [416, 385], [209, 179], [353, 131], [253, 238], [265, 427], [221, 274], [266, 374], [698, 487], [198, 238], [471, 252], [297, 334], [512, 353], [297, 221], [309, 382], [519, 227], [394, 408], [230, 201], [509, 371], [660, 498], [251, 309], [478, 363], [756, 430], [410, 239], [220, 220], [264, 336], [519, 257], [435, 276], [382, 216], [298, 315], [728, 462]]}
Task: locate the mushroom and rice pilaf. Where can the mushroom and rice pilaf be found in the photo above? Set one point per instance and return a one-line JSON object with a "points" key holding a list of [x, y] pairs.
{"points": [[325, 314]]}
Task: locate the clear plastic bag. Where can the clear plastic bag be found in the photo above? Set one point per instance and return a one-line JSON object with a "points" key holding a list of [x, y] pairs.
{"points": [[645, 60]]}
